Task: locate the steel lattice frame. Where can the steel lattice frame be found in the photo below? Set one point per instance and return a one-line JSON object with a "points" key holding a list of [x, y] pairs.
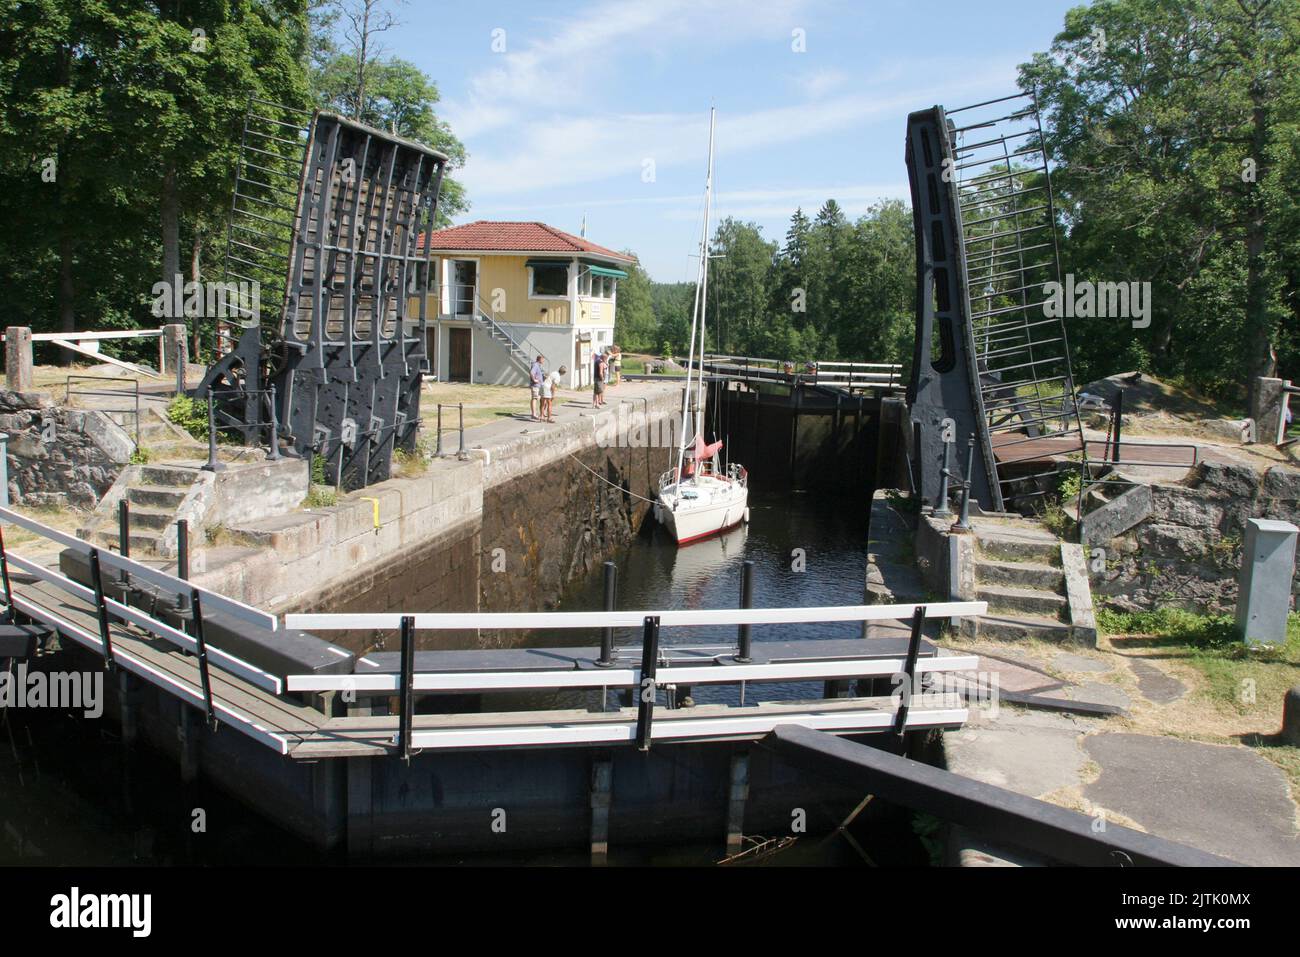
{"points": [[344, 356], [987, 356]]}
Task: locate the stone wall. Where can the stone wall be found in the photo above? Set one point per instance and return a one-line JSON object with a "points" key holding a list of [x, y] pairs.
{"points": [[60, 456], [1186, 552], [543, 530]]}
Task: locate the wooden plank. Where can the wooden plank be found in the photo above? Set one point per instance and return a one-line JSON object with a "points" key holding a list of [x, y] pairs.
{"points": [[282, 715], [668, 618], [359, 735], [130, 366]]}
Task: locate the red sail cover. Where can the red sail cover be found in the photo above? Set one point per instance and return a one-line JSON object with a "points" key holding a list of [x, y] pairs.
{"points": [[705, 452]]}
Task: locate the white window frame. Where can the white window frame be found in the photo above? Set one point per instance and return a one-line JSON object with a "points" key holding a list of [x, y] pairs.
{"points": [[531, 275]]}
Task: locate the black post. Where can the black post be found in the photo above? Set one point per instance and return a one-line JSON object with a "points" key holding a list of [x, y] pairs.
{"points": [[124, 529], [101, 609], [183, 549], [1119, 422], [437, 452], [941, 508], [460, 452], [406, 700], [909, 669], [213, 465], [746, 601], [611, 599], [646, 691], [180, 365], [274, 454], [205, 678], [4, 574], [963, 522]]}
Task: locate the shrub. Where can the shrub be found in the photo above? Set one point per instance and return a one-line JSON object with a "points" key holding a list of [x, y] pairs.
{"points": [[190, 414]]}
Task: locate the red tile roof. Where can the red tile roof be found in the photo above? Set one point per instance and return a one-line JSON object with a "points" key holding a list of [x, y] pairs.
{"points": [[516, 237]]}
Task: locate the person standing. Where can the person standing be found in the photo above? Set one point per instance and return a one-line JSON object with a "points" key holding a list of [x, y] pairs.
{"points": [[550, 386], [535, 376], [617, 370], [598, 378]]}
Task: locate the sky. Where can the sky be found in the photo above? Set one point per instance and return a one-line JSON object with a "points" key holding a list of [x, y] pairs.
{"points": [[600, 108]]}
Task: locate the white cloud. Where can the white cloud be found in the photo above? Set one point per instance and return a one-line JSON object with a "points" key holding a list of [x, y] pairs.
{"points": [[567, 65], [818, 83]]}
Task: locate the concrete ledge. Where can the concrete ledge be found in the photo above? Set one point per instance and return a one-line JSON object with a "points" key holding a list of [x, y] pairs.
{"points": [[1078, 591]]}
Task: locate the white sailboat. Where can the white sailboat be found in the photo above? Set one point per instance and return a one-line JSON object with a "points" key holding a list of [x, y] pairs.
{"points": [[698, 499]]}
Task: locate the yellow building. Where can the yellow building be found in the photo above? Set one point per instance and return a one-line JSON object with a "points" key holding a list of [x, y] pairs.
{"points": [[511, 291]]}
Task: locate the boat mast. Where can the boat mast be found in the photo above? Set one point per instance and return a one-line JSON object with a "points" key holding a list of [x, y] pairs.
{"points": [[704, 286], [697, 313]]}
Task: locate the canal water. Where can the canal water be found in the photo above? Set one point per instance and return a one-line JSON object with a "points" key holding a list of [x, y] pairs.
{"points": [[71, 794]]}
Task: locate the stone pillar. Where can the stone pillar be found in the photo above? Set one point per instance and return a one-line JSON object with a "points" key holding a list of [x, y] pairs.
{"points": [[1266, 409], [176, 349], [1264, 582], [18, 359], [1291, 717]]}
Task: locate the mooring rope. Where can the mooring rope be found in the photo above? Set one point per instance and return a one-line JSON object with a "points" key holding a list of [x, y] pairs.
{"points": [[607, 481]]}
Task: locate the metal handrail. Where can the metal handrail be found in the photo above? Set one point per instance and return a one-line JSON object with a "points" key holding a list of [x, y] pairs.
{"points": [[135, 390]]}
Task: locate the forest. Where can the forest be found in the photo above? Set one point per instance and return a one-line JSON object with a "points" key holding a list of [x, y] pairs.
{"points": [[1173, 131]]}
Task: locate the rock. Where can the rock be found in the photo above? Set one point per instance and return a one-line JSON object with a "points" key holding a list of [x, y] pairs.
{"points": [[1236, 430], [1182, 506], [1281, 482], [1239, 480], [1174, 541]]}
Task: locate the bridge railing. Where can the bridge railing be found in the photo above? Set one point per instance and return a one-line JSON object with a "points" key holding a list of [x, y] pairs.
{"points": [[847, 375], [606, 672]]}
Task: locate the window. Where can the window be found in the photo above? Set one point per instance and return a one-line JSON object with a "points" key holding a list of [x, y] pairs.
{"points": [[550, 279], [596, 287]]}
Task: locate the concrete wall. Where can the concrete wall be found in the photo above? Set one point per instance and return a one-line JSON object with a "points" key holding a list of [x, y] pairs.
{"points": [[508, 529]]}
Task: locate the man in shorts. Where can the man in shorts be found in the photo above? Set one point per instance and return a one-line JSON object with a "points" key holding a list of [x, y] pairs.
{"points": [[535, 375], [598, 379]]}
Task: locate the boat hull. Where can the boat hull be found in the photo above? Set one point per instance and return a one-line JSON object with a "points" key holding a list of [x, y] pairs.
{"points": [[692, 520]]}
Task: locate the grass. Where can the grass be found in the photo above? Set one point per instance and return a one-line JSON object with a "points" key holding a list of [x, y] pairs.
{"points": [[1243, 678]]}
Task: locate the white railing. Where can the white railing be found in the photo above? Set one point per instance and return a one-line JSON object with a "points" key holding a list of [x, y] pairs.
{"points": [[87, 344], [851, 375]]}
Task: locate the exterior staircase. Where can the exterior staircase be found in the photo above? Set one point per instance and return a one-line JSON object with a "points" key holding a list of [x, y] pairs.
{"points": [[156, 494], [1018, 572], [499, 334]]}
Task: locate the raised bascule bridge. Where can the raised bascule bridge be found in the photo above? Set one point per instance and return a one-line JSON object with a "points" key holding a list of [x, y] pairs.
{"points": [[599, 743]]}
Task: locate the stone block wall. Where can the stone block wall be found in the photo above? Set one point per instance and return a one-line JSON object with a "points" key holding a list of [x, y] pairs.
{"points": [[60, 456], [1186, 553]]}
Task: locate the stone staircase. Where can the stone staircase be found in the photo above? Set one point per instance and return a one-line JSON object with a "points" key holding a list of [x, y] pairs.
{"points": [[156, 495], [1018, 571]]}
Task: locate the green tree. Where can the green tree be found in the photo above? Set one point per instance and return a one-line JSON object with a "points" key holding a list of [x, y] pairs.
{"points": [[739, 286], [637, 328], [399, 98], [1173, 126]]}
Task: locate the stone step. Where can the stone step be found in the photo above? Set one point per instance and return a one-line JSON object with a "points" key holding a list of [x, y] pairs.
{"points": [[1020, 628], [156, 496], [1028, 601], [1020, 575], [1011, 548], [167, 475], [143, 541], [154, 519]]}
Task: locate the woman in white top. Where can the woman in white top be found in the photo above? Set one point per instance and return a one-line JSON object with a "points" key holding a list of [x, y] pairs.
{"points": [[551, 385]]}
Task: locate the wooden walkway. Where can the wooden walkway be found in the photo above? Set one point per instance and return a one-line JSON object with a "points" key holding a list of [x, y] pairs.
{"points": [[1013, 448]]}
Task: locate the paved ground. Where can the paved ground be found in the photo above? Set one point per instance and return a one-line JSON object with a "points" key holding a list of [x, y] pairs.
{"points": [[1226, 799]]}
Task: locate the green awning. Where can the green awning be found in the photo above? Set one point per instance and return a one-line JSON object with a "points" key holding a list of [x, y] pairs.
{"points": [[547, 262], [604, 271]]}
